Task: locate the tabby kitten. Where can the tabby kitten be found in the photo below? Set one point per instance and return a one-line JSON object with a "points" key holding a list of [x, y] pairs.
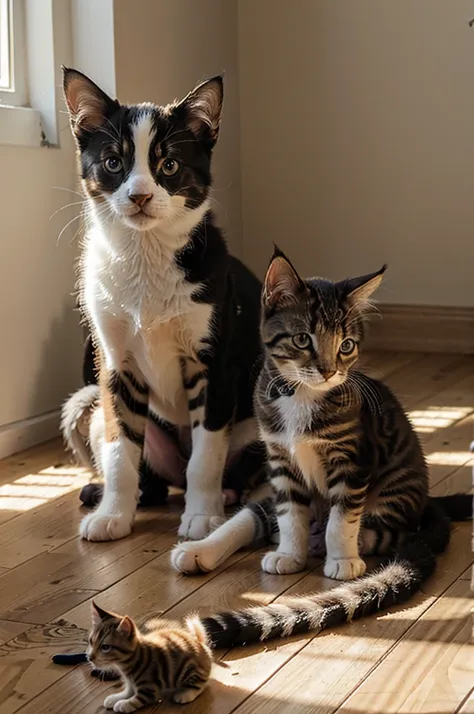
{"points": [[154, 662], [339, 435]]}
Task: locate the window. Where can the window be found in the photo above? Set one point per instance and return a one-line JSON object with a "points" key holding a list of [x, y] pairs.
{"points": [[13, 84], [28, 112]]}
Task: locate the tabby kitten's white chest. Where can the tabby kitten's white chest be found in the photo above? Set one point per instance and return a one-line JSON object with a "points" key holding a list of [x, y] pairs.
{"points": [[297, 413]]}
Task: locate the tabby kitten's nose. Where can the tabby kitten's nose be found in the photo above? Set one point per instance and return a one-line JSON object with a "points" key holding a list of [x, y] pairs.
{"points": [[327, 374], [140, 198]]}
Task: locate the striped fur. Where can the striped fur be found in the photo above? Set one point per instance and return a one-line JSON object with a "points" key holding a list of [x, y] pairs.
{"points": [[335, 434], [154, 662]]}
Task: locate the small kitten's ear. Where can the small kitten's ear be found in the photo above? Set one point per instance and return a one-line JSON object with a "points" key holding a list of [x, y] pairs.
{"points": [[98, 614], [87, 104], [204, 107], [126, 626], [360, 290], [282, 285]]}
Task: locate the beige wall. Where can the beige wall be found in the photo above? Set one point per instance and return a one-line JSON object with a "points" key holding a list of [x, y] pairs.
{"points": [[357, 135], [40, 340], [163, 51]]}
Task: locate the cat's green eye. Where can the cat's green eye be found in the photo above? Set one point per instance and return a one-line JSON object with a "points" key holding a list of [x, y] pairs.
{"points": [[302, 340], [170, 167], [105, 648], [113, 164], [347, 346]]}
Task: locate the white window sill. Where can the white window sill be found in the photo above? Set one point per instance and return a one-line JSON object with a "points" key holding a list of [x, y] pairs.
{"points": [[21, 126]]}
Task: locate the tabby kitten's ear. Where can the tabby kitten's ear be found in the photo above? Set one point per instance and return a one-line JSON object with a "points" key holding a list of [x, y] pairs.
{"points": [[203, 108], [87, 104], [98, 615], [283, 286], [126, 626], [358, 291]]}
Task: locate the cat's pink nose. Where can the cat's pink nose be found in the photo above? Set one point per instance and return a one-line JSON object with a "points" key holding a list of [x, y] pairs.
{"points": [[140, 198], [327, 374]]}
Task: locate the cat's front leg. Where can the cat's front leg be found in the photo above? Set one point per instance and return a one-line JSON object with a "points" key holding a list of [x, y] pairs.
{"points": [[210, 409], [124, 401], [112, 699], [292, 500], [343, 561]]}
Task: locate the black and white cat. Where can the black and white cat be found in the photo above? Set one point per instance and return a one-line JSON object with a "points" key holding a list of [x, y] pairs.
{"points": [[174, 318]]}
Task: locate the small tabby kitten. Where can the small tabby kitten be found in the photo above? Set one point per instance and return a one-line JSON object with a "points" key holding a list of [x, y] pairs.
{"points": [[329, 430], [154, 662]]}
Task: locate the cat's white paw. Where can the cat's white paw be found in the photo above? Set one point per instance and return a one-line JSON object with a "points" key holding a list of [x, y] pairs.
{"points": [[281, 563], [105, 526], [127, 705], [186, 695], [194, 557], [344, 568], [111, 700], [196, 526]]}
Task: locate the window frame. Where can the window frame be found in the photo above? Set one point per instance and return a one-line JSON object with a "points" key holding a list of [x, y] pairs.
{"points": [[13, 79]]}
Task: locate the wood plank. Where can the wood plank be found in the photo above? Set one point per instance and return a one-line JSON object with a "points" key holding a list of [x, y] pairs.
{"points": [[430, 669], [32, 460], [326, 665], [25, 664], [52, 583], [40, 530], [468, 706], [9, 630], [427, 377], [380, 364]]}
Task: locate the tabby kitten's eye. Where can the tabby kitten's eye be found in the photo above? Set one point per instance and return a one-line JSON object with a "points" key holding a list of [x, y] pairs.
{"points": [[347, 347], [105, 648], [113, 164], [170, 167], [302, 340]]}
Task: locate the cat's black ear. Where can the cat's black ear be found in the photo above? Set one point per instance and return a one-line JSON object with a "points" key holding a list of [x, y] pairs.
{"points": [[360, 290], [87, 104], [98, 614], [282, 286], [203, 108]]}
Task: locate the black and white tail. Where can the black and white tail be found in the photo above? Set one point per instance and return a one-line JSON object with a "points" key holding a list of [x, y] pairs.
{"points": [[394, 583]]}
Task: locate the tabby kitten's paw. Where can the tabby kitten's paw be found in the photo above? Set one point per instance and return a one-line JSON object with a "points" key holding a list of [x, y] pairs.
{"points": [[194, 557], [344, 568], [281, 563], [195, 526], [186, 695], [127, 705], [104, 526], [111, 700]]}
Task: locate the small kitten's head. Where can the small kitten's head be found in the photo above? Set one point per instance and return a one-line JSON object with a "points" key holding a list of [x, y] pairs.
{"points": [[147, 165], [311, 329], [111, 639]]}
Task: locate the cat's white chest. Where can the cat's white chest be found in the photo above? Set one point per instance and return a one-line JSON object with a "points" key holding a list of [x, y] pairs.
{"points": [[139, 302], [297, 413]]}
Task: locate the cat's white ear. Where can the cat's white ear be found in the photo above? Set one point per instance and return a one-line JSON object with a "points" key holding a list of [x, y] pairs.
{"points": [[282, 285], [204, 107], [358, 291], [98, 615], [126, 626], [87, 104]]}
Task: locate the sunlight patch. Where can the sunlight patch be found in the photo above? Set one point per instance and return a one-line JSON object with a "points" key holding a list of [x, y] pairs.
{"points": [[36, 489], [450, 458]]}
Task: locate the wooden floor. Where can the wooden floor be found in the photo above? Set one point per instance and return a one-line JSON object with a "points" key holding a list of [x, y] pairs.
{"points": [[417, 659]]}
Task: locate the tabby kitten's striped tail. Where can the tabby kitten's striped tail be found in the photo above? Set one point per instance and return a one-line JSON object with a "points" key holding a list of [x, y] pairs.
{"points": [[396, 581]]}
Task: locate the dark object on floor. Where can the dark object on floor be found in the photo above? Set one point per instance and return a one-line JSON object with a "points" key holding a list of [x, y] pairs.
{"points": [[75, 658]]}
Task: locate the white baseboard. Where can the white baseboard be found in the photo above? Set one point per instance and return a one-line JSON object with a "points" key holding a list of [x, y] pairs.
{"points": [[28, 432]]}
